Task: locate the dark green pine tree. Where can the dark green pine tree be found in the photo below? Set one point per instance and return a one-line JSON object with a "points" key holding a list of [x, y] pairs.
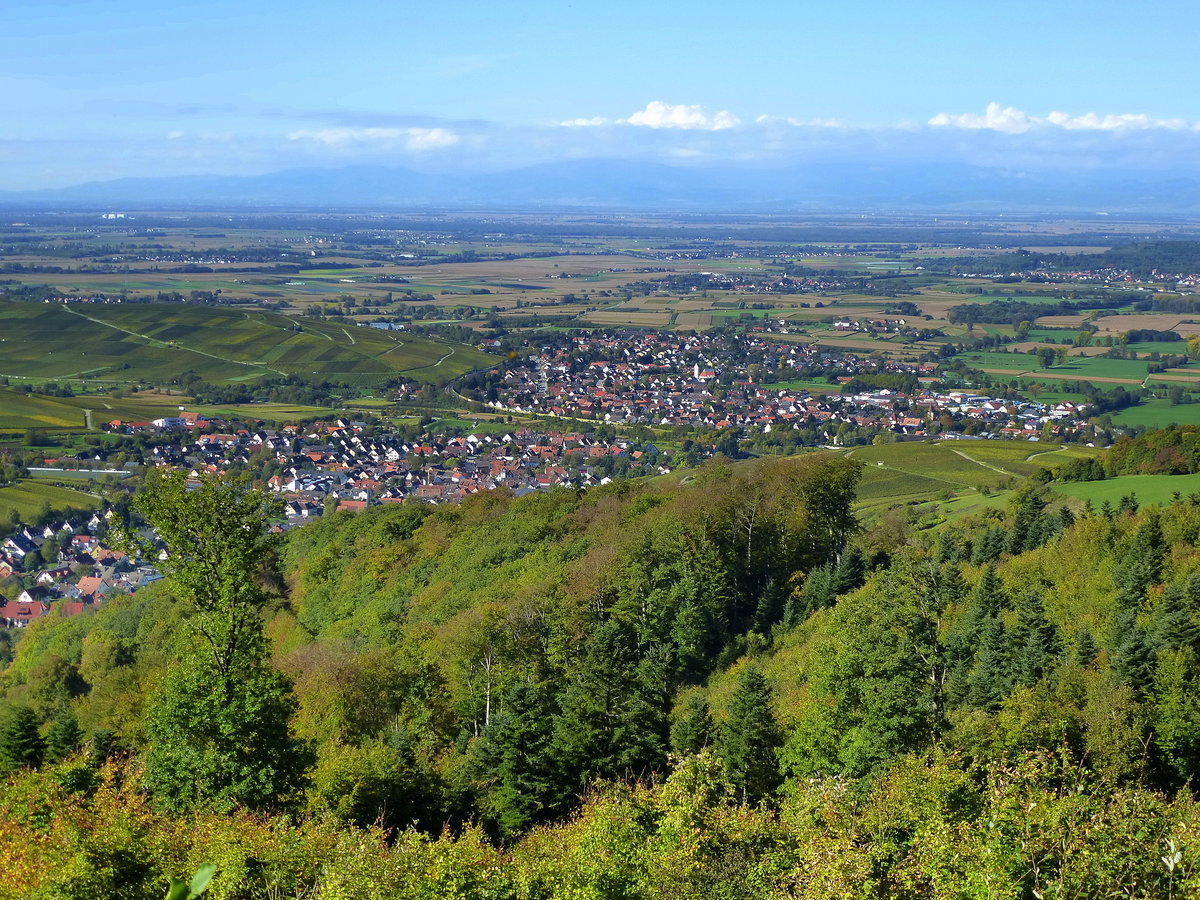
{"points": [[21, 744], [609, 726], [771, 606], [1085, 647], [101, 746], [514, 766], [750, 738], [989, 547], [1034, 641], [1175, 623], [963, 643], [819, 590], [692, 635], [986, 601], [1133, 657], [1142, 564], [850, 573], [64, 737], [988, 683], [1066, 518], [692, 729]]}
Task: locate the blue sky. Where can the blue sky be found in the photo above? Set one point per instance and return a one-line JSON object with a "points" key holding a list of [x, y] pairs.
{"points": [[98, 90]]}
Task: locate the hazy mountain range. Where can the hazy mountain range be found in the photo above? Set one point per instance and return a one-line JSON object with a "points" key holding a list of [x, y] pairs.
{"points": [[628, 185]]}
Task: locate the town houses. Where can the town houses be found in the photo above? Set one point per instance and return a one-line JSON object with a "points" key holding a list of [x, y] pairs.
{"points": [[64, 568], [733, 381]]}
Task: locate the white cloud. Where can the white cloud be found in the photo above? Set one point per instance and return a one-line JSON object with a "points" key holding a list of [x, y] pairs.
{"points": [[593, 122], [665, 115], [799, 123], [1011, 120], [413, 139], [1008, 119]]}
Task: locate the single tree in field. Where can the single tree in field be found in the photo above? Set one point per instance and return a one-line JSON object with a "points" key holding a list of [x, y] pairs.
{"points": [[751, 737], [218, 727]]}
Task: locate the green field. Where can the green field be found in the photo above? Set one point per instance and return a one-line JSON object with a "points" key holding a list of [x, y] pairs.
{"points": [[1150, 489], [1074, 367], [21, 411], [942, 463], [156, 342], [28, 498], [1158, 413], [962, 476]]}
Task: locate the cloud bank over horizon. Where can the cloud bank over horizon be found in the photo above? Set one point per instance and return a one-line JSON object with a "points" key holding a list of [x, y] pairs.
{"points": [[678, 134]]}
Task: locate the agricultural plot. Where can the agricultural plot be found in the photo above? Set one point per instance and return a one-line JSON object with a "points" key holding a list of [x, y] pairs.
{"points": [[29, 498], [156, 342], [1158, 413], [941, 463], [1150, 490], [881, 487]]}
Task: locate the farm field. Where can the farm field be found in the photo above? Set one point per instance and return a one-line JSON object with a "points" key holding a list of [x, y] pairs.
{"points": [[158, 342], [1158, 413], [939, 463], [1150, 490], [963, 476], [28, 498]]}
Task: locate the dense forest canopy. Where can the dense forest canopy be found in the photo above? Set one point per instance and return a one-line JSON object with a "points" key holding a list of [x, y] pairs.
{"points": [[725, 687]]}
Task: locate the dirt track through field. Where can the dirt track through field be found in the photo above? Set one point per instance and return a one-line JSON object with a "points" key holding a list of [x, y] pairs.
{"points": [[980, 462], [156, 341], [1056, 377]]}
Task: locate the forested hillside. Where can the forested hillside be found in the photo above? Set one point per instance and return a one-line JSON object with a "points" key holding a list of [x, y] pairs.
{"points": [[724, 688]]}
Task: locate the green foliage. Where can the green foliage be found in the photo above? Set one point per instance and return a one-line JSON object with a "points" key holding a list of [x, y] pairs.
{"points": [[190, 890], [218, 727], [211, 743], [21, 743], [750, 737], [64, 737]]}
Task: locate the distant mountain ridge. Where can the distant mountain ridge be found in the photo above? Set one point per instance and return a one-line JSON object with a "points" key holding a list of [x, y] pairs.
{"points": [[621, 184]]}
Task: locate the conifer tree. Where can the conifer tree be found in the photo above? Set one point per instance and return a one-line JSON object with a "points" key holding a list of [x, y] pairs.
{"points": [[1034, 640], [1085, 647], [1141, 566], [693, 728], [988, 683], [21, 743], [751, 737], [515, 767], [1175, 623], [1133, 656], [64, 737], [608, 726]]}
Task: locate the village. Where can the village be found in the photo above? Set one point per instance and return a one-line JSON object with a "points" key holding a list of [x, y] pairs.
{"points": [[632, 405], [720, 381]]}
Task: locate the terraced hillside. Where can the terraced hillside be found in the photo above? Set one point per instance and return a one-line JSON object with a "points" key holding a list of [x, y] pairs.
{"points": [[155, 342]]}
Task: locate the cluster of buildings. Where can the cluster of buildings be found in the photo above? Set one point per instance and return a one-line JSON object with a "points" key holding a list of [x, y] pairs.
{"points": [[1103, 275], [723, 381], [66, 569], [343, 464], [340, 465]]}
